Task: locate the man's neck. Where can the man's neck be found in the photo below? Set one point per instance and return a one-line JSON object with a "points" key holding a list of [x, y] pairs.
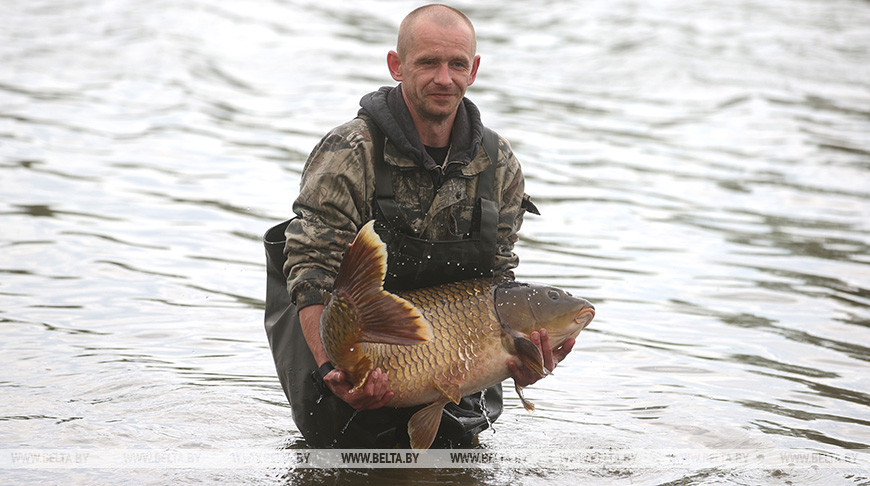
{"points": [[434, 133]]}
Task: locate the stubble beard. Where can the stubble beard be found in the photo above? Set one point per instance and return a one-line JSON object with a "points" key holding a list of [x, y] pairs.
{"points": [[437, 113]]}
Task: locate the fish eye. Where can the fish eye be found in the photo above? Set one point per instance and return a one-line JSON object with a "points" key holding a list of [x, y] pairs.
{"points": [[553, 295]]}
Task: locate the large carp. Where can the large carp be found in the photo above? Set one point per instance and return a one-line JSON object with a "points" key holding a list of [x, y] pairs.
{"points": [[438, 344]]}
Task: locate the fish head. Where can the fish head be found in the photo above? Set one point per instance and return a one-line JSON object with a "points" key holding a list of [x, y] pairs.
{"points": [[523, 308]]}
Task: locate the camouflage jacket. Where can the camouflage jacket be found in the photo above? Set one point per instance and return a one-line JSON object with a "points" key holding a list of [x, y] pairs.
{"points": [[338, 189]]}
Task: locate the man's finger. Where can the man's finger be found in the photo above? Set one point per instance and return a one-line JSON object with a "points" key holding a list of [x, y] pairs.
{"points": [[535, 337], [384, 400], [546, 350], [522, 376], [375, 391], [512, 367], [334, 376], [378, 384]]}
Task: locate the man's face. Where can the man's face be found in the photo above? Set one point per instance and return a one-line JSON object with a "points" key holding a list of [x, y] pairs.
{"points": [[437, 69]]}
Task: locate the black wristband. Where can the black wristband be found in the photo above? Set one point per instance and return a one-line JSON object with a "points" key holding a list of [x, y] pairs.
{"points": [[317, 377]]}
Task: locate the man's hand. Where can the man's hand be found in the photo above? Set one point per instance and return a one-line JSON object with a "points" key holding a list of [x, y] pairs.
{"points": [[524, 376], [374, 393]]}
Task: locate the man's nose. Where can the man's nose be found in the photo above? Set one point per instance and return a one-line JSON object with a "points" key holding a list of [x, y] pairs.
{"points": [[442, 75]]}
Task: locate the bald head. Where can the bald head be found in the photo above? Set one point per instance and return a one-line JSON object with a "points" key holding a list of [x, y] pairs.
{"points": [[440, 15]]}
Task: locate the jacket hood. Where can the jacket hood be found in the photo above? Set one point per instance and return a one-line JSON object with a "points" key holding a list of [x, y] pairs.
{"points": [[386, 107]]}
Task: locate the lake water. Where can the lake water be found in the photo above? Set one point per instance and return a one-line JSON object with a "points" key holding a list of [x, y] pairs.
{"points": [[702, 169]]}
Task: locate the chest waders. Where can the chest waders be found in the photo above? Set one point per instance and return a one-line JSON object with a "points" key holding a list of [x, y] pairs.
{"points": [[327, 421]]}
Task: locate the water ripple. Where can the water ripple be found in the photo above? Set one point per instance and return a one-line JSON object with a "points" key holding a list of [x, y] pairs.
{"points": [[701, 169]]}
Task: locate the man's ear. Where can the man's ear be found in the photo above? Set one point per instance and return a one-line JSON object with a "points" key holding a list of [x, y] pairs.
{"points": [[474, 65], [395, 65]]}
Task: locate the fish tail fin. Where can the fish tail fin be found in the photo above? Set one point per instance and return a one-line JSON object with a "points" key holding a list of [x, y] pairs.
{"points": [[383, 317], [424, 424]]}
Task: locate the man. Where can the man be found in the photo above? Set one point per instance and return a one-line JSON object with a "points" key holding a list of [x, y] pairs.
{"points": [[447, 198]]}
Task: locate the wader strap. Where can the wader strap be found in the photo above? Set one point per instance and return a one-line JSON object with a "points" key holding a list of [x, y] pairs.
{"points": [[384, 196], [488, 227], [382, 180], [486, 181]]}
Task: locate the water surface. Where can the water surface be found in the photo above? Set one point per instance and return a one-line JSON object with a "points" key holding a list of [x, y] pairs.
{"points": [[703, 171]]}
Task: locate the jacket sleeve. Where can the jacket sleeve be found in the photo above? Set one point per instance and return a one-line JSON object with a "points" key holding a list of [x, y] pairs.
{"points": [[332, 205]]}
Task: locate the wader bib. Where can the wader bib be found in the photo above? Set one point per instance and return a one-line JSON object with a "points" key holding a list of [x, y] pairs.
{"points": [[328, 421]]}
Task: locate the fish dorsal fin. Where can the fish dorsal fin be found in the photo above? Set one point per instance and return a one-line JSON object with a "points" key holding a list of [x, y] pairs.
{"points": [[383, 317], [424, 424]]}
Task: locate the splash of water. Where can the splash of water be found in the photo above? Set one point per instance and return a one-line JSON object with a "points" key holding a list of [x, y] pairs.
{"points": [[485, 411]]}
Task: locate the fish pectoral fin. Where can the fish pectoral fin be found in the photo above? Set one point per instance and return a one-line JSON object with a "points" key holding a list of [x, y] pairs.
{"points": [[530, 355], [450, 390], [519, 345], [390, 319], [383, 317], [424, 424], [529, 406]]}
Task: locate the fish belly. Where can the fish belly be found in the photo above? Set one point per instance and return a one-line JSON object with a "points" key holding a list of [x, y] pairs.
{"points": [[420, 385]]}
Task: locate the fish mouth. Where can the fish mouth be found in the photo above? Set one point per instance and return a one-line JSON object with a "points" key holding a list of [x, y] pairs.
{"points": [[584, 317]]}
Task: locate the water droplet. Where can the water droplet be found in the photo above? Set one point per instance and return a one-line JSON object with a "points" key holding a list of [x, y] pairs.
{"points": [[348, 422]]}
